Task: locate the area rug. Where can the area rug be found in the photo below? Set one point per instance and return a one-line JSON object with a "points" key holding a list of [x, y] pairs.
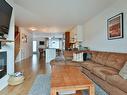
{"points": [[41, 85]]}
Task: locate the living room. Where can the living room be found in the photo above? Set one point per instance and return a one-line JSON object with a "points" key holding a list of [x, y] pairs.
{"points": [[87, 21]]}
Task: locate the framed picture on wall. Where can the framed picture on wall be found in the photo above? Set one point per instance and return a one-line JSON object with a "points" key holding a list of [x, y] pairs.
{"points": [[115, 27], [24, 38]]}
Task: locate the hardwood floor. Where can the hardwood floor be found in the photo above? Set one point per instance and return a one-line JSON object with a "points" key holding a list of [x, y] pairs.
{"points": [[30, 67]]}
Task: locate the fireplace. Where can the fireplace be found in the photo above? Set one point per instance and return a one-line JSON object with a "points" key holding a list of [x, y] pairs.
{"points": [[3, 64]]}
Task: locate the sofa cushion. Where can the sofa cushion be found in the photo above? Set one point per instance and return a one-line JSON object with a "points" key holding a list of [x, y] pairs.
{"points": [[91, 65], [123, 71], [85, 63], [94, 55], [102, 57], [117, 81], [102, 72], [116, 60], [72, 63]]}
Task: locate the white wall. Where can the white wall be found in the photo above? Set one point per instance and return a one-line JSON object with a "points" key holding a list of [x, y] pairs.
{"points": [[76, 35], [10, 51], [25, 47], [95, 30]]}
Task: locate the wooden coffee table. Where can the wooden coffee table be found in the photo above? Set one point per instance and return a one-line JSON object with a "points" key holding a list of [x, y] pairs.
{"points": [[67, 78]]}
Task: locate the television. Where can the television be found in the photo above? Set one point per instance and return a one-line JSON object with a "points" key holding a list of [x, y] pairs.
{"points": [[41, 43], [5, 16]]}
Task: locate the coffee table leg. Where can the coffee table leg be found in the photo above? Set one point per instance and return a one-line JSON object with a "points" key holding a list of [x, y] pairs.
{"points": [[92, 90], [53, 92]]}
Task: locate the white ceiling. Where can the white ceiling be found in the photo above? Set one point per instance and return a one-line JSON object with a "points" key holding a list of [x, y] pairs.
{"points": [[57, 15]]}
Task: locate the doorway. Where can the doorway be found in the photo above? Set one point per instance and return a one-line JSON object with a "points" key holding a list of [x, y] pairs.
{"points": [[34, 46]]}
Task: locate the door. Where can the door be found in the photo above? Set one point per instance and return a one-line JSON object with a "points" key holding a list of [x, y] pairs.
{"points": [[34, 46]]}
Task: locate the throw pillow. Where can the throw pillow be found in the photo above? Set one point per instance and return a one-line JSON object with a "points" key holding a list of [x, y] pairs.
{"points": [[89, 55], [123, 71], [74, 57], [78, 57]]}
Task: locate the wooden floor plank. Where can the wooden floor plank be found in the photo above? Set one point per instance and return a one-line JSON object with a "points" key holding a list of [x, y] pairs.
{"points": [[30, 67]]}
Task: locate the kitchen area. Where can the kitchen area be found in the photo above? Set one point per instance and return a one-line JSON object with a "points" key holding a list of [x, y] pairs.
{"points": [[49, 44]]}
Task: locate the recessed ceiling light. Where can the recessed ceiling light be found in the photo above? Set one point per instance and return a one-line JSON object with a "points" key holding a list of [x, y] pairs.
{"points": [[33, 28]]}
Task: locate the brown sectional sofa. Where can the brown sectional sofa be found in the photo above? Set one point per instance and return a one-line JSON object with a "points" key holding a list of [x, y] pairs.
{"points": [[103, 68]]}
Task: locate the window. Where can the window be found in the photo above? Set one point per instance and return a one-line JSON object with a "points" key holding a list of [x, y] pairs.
{"points": [[34, 46]]}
